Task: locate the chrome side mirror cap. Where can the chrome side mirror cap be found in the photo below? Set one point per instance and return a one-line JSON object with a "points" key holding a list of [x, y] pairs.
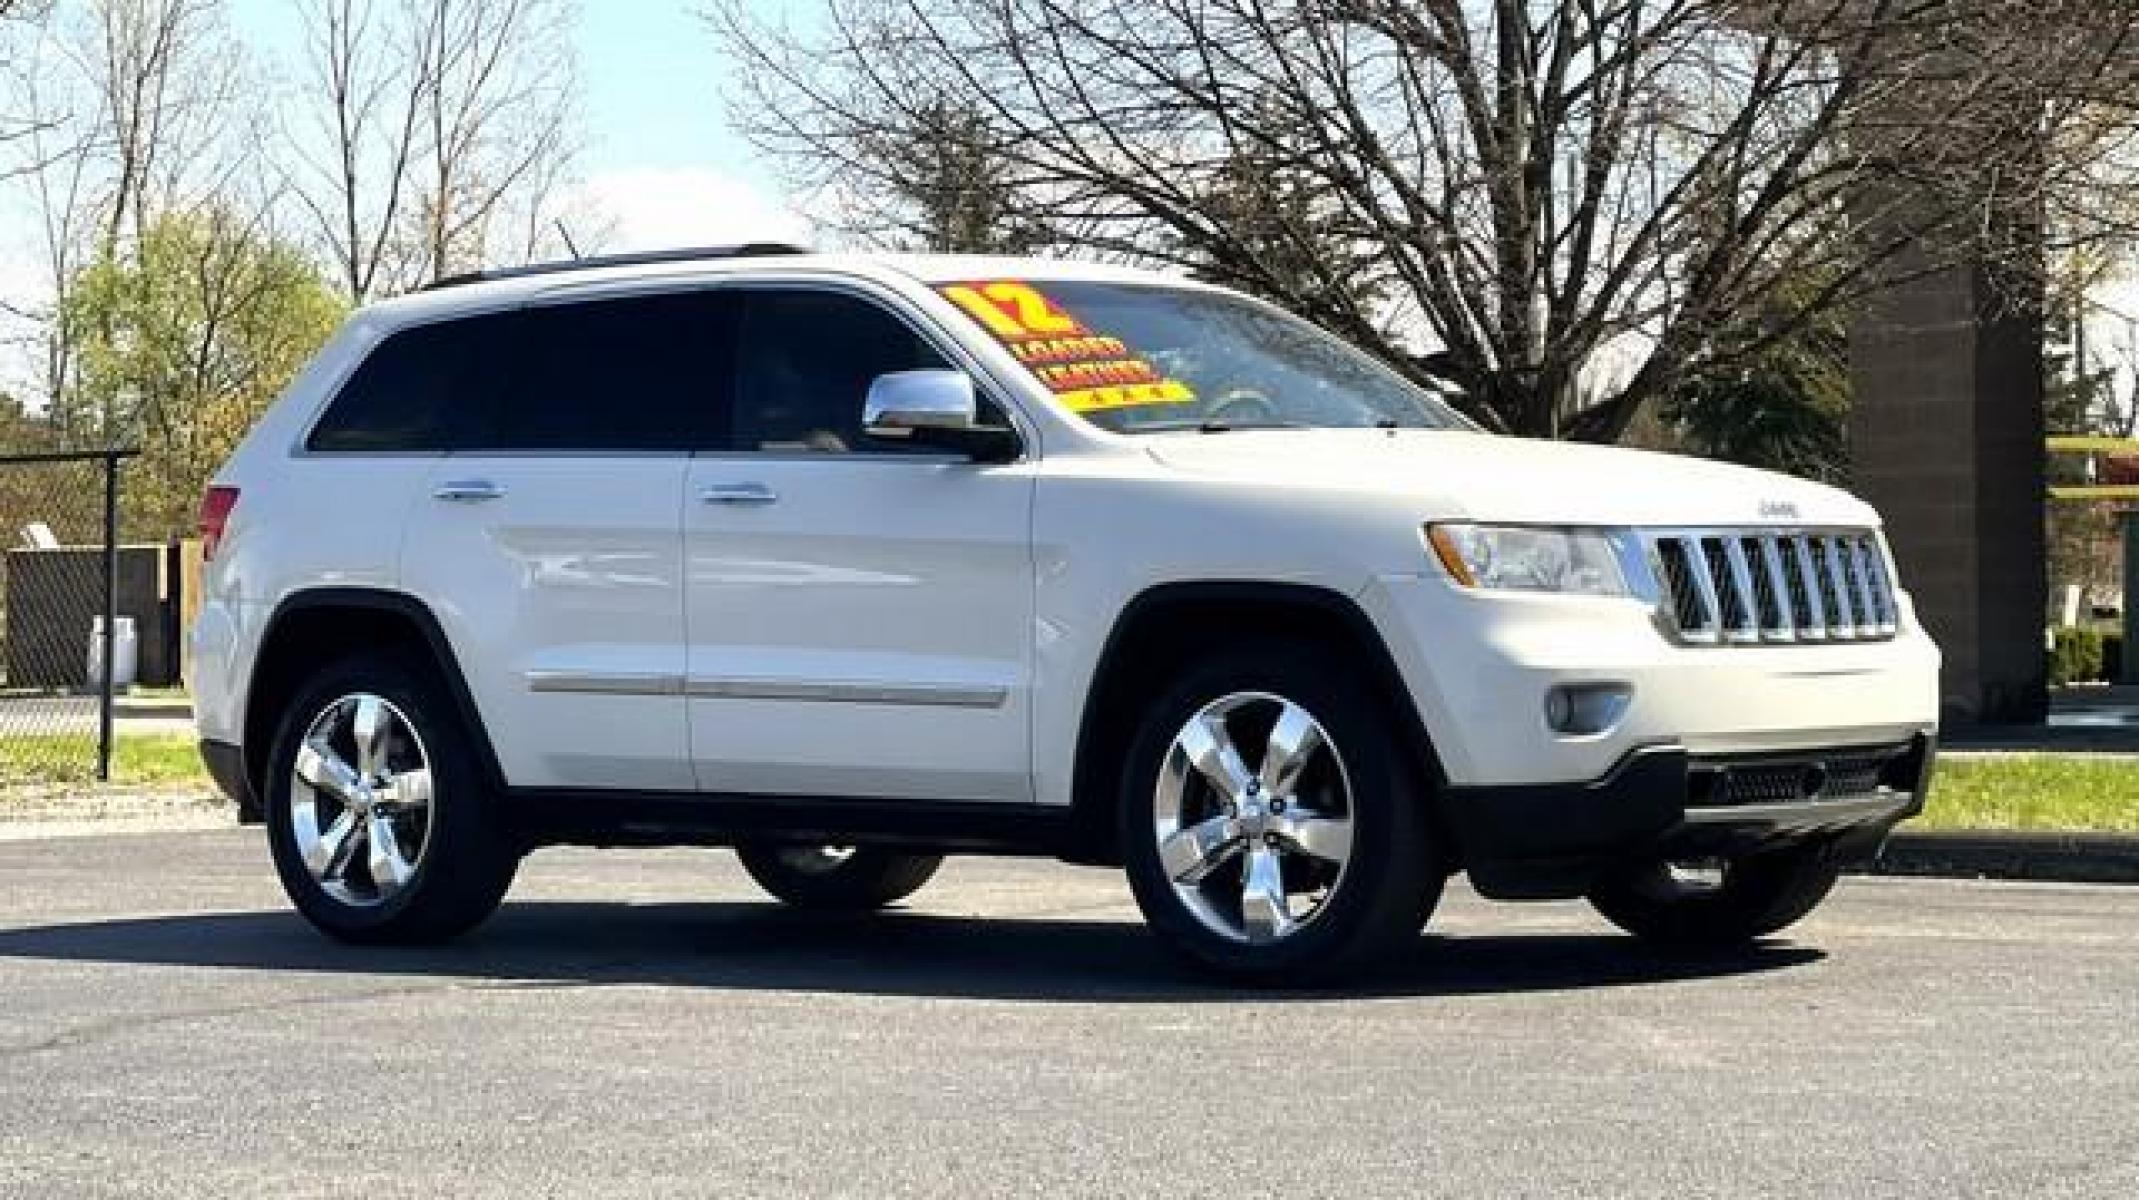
{"points": [[903, 402], [935, 407]]}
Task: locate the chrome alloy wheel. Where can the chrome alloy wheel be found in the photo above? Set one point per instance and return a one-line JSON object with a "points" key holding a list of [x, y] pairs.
{"points": [[1256, 854], [1679, 880], [814, 860], [360, 799]]}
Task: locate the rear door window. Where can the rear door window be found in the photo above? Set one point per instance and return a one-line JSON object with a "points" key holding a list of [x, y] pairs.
{"points": [[638, 373]]}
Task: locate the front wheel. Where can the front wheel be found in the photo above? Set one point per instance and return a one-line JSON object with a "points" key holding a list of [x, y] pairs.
{"points": [[1274, 818], [838, 878], [1717, 902]]}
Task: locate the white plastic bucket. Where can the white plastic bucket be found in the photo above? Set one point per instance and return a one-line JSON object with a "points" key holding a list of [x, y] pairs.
{"points": [[126, 651]]}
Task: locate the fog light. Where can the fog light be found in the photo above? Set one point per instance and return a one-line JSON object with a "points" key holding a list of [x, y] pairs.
{"points": [[1581, 709]]}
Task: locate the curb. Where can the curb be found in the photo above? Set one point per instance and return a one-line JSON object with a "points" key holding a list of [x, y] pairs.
{"points": [[2053, 857], [157, 709], [2041, 739]]}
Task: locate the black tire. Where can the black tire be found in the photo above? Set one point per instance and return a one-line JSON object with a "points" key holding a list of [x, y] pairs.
{"points": [[859, 879], [1391, 881], [1756, 895], [465, 861]]}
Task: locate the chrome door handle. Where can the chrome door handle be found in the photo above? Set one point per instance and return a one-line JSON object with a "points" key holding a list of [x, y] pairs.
{"points": [[467, 490], [737, 493]]}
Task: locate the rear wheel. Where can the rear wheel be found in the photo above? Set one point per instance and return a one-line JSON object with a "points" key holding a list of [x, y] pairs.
{"points": [[378, 817], [838, 878], [1717, 902], [1274, 819]]}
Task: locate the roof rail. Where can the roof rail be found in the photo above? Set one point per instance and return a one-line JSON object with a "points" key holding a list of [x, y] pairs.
{"points": [[642, 258]]}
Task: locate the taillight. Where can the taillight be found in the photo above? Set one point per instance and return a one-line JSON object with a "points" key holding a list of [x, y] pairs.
{"points": [[215, 514]]}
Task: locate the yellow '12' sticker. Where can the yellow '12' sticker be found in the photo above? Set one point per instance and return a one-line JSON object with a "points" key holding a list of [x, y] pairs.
{"points": [[1086, 369]]}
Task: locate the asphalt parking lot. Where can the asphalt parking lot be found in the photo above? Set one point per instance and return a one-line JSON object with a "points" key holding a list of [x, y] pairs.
{"points": [[640, 1023]]}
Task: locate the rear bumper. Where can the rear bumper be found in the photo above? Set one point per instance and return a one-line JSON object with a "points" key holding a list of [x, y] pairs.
{"points": [[1553, 841], [226, 765]]}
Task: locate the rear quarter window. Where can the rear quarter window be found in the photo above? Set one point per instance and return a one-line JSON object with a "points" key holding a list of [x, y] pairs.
{"points": [[416, 392]]}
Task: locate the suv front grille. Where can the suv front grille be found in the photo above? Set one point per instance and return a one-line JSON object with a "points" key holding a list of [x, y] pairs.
{"points": [[1750, 586]]}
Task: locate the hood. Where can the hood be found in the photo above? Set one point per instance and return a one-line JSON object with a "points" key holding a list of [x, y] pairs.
{"points": [[1483, 477]]}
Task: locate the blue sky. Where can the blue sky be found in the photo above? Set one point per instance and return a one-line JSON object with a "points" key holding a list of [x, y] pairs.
{"points": [[652, 80], [648, 69], [658, 155]]}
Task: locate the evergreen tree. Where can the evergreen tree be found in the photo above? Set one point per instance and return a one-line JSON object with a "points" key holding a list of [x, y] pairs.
{"points": [[1784, 407]]}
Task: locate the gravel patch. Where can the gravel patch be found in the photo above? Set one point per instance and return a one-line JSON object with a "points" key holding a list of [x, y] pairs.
{"points": [[31, 812]]}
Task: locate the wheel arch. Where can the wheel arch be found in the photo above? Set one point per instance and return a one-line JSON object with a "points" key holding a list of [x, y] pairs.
{"points": [[1160, 628], [328, 617]]}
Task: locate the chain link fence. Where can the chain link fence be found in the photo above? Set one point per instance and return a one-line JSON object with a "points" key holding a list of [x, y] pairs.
{"points": [[59, 616]]}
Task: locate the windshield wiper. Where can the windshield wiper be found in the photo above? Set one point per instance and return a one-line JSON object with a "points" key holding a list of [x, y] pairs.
{"points": [[1212, 425]]}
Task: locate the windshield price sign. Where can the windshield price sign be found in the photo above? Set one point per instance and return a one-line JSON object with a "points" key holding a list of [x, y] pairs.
{"points": [[1086, 369]]}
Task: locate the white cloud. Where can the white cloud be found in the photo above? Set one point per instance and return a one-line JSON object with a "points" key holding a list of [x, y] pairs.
{"points": [[659, 208]]}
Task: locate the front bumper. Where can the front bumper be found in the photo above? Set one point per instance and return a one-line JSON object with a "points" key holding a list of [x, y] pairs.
{"points": [[1479, 667], [1554, 841]]}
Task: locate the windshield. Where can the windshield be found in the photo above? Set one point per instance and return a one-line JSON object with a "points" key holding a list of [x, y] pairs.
{"points": [[1142, 358]]}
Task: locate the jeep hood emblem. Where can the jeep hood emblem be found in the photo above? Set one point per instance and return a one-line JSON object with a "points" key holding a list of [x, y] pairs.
{"points": [[1781, 510]]}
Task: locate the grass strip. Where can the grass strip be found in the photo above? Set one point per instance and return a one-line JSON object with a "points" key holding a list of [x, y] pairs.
{"points": [[2067, 792]]}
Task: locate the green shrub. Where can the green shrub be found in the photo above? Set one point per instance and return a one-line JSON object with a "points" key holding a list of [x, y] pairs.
{"points": [[2075, 656]]}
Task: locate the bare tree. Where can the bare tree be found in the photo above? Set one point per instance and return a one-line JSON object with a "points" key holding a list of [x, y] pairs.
{"points": [[441, 138], [941, 186], [15, 18], [1287, 233], [136, 47], [129, 113], [23, 28], [1519, 184], [60, 196], [371, 86], [19, 24]]}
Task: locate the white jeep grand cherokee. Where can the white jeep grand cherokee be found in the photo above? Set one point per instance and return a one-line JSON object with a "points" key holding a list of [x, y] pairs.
{"points": [[850, 563]]}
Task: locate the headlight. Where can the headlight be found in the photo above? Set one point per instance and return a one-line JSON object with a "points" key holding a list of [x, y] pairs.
{"points": [[1521, 558]]}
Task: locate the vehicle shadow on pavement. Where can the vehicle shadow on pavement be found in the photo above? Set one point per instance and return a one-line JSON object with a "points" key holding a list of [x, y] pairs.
{"points": [[766, 947]]}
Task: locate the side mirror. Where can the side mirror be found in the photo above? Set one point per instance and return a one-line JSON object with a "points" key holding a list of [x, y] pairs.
{"points": [[935, 407]]}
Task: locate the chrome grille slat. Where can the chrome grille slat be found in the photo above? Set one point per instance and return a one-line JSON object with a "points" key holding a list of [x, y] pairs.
{"points": [[1853, 565], [1729, 606], [1882, 588], [1773, 586], [1704, 587], [1785, 629], [1808, 577], [1747, 627], [1838, 582], [1674, 575]]}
